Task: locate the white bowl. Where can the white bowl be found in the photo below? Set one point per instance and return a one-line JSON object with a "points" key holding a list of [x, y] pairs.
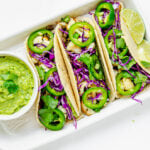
{"points": [[25, 108]]}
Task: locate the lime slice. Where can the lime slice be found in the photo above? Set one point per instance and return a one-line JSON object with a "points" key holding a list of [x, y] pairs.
{"points": [[134, 23], [144, 53]]}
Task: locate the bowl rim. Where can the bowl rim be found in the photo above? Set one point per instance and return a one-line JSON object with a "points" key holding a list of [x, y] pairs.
{"points": [[27, 107]]}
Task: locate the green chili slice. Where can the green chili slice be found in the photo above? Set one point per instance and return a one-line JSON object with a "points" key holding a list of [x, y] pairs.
{"points": [[120, 87], [39, 47], [73, 34], [48, 87], [52, 119], [100, 98], [105, 14]]}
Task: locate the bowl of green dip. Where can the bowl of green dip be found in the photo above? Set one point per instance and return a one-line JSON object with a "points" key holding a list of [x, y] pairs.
{"points": [[18, 86]]}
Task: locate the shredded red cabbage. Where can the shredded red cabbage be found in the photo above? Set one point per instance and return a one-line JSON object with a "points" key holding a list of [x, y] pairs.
{"points": [[117, 15], [55, 78], [106, 31], [109, 1], [74, 122], [68, 110], [90, 13], [135, 94], [85, 29], [74, 56], [90, 82], [51, 54], [54, 82], [118, 59], [103, 84], [139, 69], [83, 40], [96, 97], [123, 64], [39, 45], [63, 31], [44, 85], [81, 72], [66, 107], [118, 20], [148, 81], [42, 59], [106, 12], [64, 44], [90, 50]]}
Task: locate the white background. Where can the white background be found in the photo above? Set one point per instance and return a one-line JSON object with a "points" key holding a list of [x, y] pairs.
{"points": [[128, 130]]}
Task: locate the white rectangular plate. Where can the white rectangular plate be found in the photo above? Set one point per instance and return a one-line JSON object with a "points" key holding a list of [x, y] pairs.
{"points": [[25, 130]]}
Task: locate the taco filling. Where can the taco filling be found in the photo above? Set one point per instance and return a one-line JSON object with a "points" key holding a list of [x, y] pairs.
{"points": [[130, 77], [78, 39], [55, 107]]}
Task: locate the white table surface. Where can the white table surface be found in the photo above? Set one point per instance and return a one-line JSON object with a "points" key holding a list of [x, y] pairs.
{"points": [[130, 129]]}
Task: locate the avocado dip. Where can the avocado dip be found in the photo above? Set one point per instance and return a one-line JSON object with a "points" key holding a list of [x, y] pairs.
{"points": [[16, 85]]}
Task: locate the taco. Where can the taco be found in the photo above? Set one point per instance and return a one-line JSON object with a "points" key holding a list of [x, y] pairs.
{"points": [[85, 63], [128, 76], [56, 103]]}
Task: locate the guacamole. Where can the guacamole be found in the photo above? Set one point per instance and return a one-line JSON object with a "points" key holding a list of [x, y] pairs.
{"points": [[16, 85]]}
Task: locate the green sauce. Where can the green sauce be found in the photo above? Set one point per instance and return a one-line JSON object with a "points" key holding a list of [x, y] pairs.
{"points": [[16, 85]]}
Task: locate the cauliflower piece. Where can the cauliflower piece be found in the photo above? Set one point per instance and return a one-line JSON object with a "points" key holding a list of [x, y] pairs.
{"points": [[71, 22], [92, 45], [63, 110], [74, 48], [86, 110], [83, 85], [44, 67], [86, 33], [45, 41], [79, 31], [38, 39], [127, 83]]}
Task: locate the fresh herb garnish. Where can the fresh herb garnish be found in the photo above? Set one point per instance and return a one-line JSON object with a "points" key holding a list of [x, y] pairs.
{"points": [[41, 72], [140, 78], [11, 86], [46, 115], [50, 102]]}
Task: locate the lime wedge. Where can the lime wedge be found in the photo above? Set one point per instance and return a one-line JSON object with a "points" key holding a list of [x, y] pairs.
{"points": [[144, 53], [134, 23]]}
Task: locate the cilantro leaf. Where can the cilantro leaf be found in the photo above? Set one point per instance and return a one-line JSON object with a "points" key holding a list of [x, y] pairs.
{"points": [[41, 72], [86, 59], [49, 101], [46, 115], [140, 78], [11, 86], [120, 43]]}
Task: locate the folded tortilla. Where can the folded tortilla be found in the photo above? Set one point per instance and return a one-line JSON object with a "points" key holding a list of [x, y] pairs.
{"points": [[70, 69], [130, 44], [64, 78]]}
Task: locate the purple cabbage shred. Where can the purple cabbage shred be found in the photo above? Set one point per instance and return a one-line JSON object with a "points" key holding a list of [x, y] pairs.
{"points": [[63, 31]]}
